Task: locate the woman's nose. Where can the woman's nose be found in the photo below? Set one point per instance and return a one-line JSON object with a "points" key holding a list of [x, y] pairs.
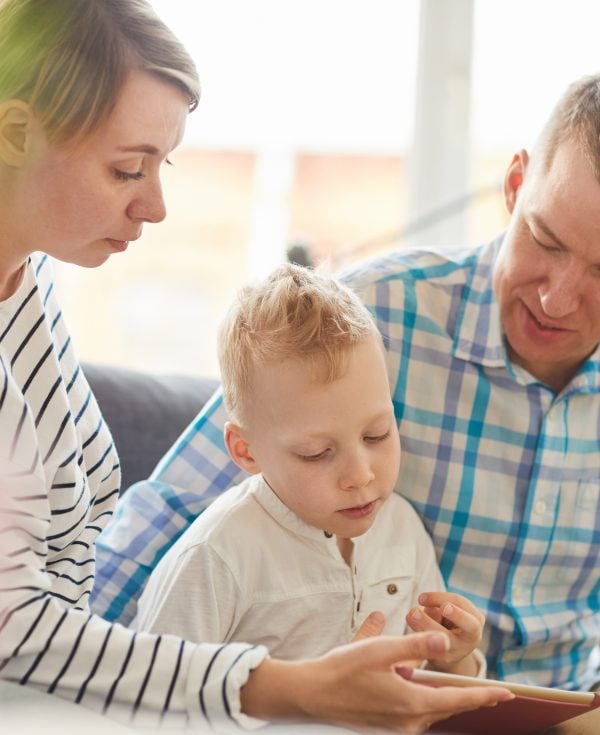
{"points": [[148, 205]]}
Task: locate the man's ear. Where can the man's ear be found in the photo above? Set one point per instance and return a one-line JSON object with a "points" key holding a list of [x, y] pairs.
{"points": [[239, 449], [513, 180], [16, 123]]}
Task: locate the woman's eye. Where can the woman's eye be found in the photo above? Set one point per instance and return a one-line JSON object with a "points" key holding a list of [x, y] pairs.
{"points": [[378, 438], [127, 176]]}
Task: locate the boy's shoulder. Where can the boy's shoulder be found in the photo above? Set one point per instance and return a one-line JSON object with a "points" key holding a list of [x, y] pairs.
{"points": [[398, 515], [232, 508]]}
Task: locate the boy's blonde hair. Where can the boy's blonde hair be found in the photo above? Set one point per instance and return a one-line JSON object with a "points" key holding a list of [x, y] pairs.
{"points": [[294, 313]]}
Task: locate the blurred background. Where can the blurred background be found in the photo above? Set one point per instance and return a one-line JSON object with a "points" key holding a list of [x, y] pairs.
{"points": [[341, 128]]}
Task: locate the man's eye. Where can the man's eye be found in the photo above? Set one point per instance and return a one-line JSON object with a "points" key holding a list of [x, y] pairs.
{"points": [[127, 176], [548, 248]]}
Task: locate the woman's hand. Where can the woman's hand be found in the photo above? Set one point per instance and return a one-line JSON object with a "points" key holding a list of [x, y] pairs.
{"points": [[356, 685], [460, 619]]}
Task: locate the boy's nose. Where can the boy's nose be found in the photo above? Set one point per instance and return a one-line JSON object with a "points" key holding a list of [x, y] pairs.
{"points": [[357, 473]]}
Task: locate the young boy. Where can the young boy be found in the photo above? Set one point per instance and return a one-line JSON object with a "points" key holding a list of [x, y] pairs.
{"points": [[301, 552]]}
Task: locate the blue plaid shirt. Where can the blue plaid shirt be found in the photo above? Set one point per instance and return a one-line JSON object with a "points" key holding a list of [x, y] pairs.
{"points": [[504, 472]]}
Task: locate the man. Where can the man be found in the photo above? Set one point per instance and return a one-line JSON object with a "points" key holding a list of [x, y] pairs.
{"points": [[495, 368]]}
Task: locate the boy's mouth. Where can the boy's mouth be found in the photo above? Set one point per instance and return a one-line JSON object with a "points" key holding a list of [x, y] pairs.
{"points": [[358, 511]]}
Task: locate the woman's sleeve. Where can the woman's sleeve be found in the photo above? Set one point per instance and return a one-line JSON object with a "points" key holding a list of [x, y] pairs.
{"points": [[50, 640]]}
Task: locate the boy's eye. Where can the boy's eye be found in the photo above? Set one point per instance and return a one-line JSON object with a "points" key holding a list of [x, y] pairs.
{"points": [[127, 176], [313, 457], [378, 438]]}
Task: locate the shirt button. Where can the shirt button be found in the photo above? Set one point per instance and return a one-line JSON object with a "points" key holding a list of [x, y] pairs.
{"points": [[392, 589], [327, 534], [540, 507]]}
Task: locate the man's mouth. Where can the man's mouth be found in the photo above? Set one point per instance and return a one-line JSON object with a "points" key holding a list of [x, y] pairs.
{"points": [[543, 325]]}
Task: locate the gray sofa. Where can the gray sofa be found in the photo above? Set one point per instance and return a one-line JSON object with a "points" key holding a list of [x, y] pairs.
{"points": [[145, 412]]}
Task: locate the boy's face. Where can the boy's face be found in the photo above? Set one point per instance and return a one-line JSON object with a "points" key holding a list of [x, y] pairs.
{"points": [[330, 451]]}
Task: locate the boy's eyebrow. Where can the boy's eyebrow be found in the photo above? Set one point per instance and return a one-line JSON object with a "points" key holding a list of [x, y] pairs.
{"points": [[380, 415], [544, 227]]}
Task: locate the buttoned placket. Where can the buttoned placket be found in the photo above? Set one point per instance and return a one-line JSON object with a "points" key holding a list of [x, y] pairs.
{"points": [[356, 593]]}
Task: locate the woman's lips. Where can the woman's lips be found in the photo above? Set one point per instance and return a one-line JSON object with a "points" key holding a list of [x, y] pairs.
{"points": [[118, 245]]}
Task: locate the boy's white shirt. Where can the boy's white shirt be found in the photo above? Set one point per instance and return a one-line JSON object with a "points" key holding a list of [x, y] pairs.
{"points": [[249, 569]]}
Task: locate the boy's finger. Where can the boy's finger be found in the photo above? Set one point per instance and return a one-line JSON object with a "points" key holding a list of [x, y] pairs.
{"points": [[372, 626], [461, 619]]}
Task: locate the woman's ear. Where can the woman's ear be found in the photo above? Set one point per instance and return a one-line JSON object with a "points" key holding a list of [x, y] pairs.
{"points": [[16, 124], [515, 174], [239, 449]]}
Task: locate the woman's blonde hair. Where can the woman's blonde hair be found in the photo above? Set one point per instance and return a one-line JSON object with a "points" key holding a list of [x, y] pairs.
{"points": [[68, 59], [294, 313]]}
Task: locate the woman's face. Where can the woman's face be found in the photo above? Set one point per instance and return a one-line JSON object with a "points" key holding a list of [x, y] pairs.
{"points": [[83, 203]]}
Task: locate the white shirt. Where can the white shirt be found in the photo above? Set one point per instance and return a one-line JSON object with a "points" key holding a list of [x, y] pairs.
{"points": [[249, 569]]}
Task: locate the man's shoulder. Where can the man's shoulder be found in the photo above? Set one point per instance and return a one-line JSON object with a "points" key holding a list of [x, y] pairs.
{"points": [[433, 264]]}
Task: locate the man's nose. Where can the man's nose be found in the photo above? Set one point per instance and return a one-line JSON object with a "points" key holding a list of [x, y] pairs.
{"points": [[560, 295]]}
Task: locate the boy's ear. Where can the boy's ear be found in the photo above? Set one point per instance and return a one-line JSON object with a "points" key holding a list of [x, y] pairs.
{"points": [[16, 123], [515, 174], [239, 449]]}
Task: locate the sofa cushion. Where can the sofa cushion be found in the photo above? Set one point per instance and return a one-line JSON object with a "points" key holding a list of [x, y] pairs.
{"points": [[145, 413]]}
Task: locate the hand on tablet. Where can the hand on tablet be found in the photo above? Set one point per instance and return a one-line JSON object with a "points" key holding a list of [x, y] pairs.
{"points": [[460, 620]]}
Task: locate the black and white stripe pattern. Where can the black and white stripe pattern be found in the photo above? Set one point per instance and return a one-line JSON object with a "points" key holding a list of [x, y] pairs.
{"points": [[59, 482]]}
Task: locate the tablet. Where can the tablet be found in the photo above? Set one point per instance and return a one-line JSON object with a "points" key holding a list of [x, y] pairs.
{"points": [[533, 709]]}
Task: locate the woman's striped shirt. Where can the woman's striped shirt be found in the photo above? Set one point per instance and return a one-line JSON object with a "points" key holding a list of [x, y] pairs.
{"points": [[59, 483]]}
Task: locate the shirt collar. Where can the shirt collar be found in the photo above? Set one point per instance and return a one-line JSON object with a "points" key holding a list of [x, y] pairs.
{"points": [[292, 522], [478, 337], [286, 517]]}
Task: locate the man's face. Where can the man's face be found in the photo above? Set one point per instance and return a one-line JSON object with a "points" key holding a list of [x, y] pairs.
{"points": [[547, 276]]}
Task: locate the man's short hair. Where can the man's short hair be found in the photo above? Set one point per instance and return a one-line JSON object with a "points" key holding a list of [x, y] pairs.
{"points": [[576, 118]]}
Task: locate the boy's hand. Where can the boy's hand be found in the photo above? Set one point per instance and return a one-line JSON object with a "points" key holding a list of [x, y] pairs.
{"points": [[457, 617]]}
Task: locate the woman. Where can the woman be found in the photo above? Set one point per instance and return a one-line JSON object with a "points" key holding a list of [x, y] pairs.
{"points": [[94, 97]]}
